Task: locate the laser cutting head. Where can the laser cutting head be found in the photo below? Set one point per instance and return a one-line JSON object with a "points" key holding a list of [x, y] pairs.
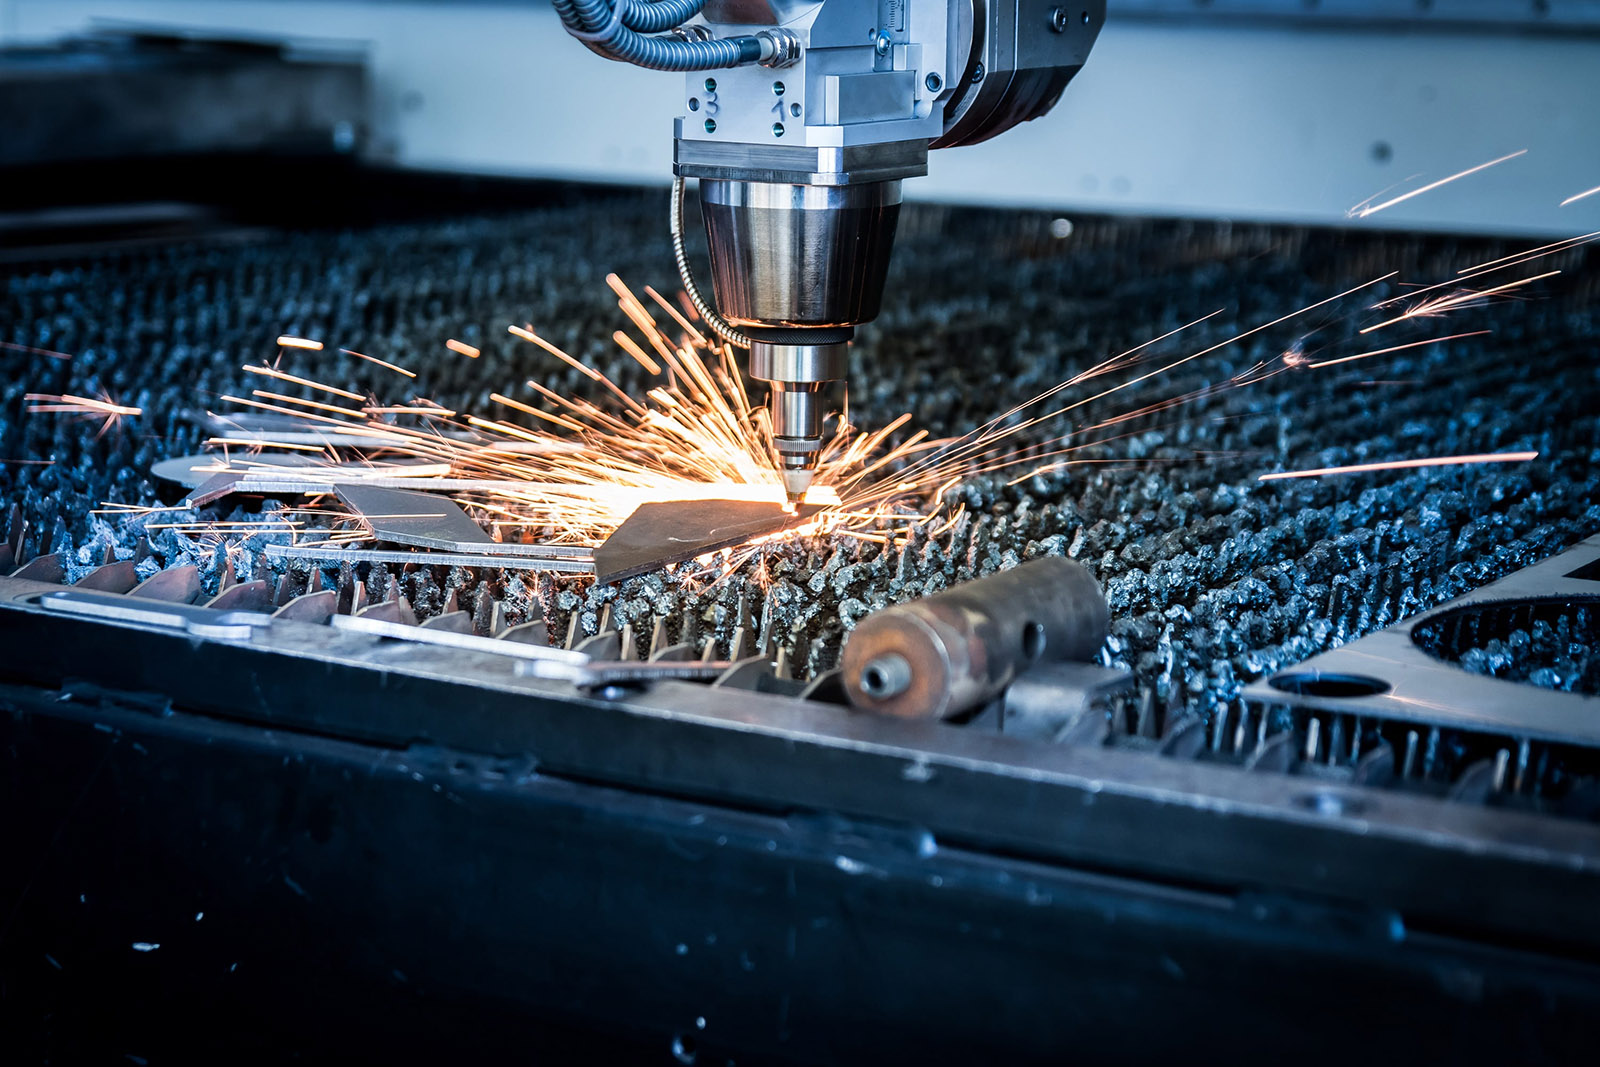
{"points": [[796, 267], [800, 128]]}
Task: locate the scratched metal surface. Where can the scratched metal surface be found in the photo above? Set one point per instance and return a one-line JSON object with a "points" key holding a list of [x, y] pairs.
{"points": [[1213, 578]]}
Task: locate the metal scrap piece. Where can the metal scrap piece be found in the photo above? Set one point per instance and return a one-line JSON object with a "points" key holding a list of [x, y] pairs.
{"points": [[421, 519], [520, 650], [566, 564], [660, 534], [192, 472]]}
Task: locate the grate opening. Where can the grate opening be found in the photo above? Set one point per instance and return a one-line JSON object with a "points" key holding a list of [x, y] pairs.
{"points": [[1551, 644]]}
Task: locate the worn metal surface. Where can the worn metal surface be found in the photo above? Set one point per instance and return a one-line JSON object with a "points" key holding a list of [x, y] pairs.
{"points": [[421, 519], [945, 654], [658, 535]]}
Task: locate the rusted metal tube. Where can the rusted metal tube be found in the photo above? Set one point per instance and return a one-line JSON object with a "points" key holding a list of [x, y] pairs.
{"points": [[937, 657]]}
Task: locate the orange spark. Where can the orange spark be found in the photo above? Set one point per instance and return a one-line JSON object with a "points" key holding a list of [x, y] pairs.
{"points": [[1367, 207], [1395, 348], [380, 362], [284, 376], [1405, 464], [77, 405], [32, 351], [1461, 298], [1580, 196], [286, 341], [462, 348]]}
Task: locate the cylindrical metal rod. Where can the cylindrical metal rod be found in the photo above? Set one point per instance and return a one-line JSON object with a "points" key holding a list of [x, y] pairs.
{"points": [[948, 653]]}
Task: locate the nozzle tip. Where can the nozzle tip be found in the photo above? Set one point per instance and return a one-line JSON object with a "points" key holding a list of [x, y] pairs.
{"points": [[796, 482]]}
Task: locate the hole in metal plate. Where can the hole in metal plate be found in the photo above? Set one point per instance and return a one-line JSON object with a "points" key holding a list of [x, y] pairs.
{"points": [[1319, 684]]}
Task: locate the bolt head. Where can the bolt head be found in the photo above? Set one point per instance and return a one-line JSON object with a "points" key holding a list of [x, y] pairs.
{"points": [[1058, 20], [881, 44]]}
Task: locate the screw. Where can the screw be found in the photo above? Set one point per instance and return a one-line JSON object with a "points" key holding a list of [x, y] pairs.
{"points": [[777, 129], [977, 74], [934, 83], [711, 125], [694, 103], [711, 85], [881, 44], [777, 88], [1058, 20]]}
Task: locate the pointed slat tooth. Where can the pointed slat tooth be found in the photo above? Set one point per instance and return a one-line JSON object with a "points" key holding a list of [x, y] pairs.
{"points": [[766, 642], [316, 607], [658, 637], [533, 632], [456, 622], [225, 577], [109, 555], [780, 666], [744, 674], [678, 653], [743, 645], [605, 645], [16, 526], [816, 655], [390, 611], [574, 630], [246, 596], [628, 651], [48, 568], [111, 578], [176, 585], [483, 618], [604, 623], [709, 652], [142, 550], [827, 686], [452, 604], [292, 584], [346, 585], [689, 633]]}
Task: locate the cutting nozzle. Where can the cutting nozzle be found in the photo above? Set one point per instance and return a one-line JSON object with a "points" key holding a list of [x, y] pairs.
{"points": [[795, 375], [797, 433]]}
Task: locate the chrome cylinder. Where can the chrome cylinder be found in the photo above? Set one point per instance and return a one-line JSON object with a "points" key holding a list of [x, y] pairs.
{"points": [[799, 255], [949, 653]]}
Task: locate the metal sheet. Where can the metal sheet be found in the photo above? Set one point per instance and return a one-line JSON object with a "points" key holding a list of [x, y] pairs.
{"points": [[330, 556], [658, 535], [1386, 675], [420, 519]]}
